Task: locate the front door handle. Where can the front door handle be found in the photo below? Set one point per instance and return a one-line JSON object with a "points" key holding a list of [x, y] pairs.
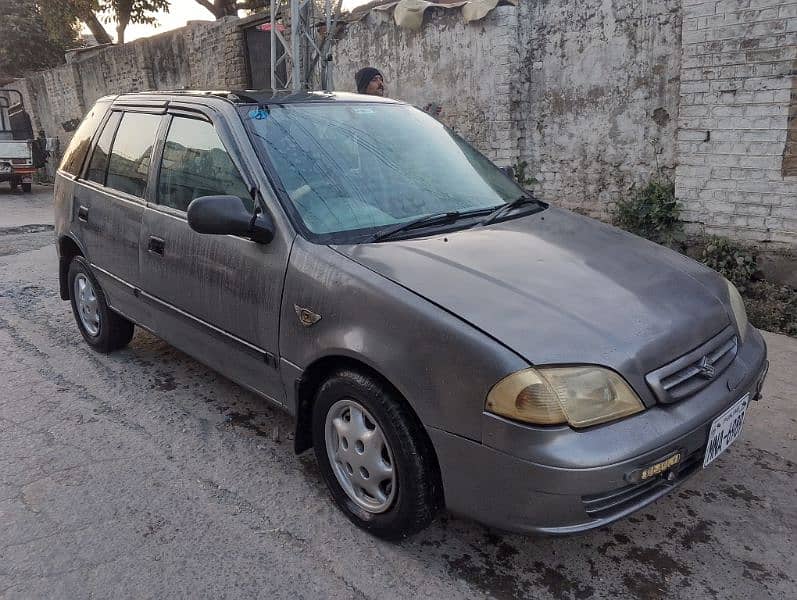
{"points": [[156, 245], [83, 214]]}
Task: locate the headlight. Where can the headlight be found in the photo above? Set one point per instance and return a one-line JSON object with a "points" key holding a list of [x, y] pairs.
{"points": [[739, 313], [581, 396]]}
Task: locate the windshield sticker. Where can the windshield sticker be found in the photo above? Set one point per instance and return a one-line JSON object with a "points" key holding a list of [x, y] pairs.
{"points": [[361, 110], [258, 114]]}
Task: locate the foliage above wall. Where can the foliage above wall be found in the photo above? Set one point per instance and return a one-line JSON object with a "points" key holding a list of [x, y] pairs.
{"points": [[26, 43]]}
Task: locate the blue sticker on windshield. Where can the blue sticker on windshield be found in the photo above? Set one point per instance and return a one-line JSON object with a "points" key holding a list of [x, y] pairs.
{"points": [[258, 114]]}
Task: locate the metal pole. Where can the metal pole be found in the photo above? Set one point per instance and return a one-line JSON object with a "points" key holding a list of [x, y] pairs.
{"points": [[273, 36], [296, 38], [326, 84]]}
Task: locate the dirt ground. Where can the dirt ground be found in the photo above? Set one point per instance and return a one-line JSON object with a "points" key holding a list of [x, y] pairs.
{"points": [[144, 474]]}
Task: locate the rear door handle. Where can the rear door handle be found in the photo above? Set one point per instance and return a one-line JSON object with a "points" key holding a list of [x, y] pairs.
{"points": [[156, 245], [83, 214]]}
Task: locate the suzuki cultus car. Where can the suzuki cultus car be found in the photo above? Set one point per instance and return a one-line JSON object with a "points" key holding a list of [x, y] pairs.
{"points": [[442, 337]]}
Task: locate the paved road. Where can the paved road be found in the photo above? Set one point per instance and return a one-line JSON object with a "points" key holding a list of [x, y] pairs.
{"points": [[144, 474]]}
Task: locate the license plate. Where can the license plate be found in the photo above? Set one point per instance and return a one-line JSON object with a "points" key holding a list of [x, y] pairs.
{"points": [[725, 429]]}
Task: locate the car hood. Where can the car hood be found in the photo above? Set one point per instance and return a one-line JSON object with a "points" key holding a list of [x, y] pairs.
{"points": [[557, 287]]}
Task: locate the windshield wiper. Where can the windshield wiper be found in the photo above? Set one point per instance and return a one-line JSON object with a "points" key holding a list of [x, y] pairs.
{"points": [[505, 208], [432, 219]]}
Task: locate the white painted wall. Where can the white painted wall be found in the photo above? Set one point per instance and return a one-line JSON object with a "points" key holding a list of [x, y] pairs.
{"points": [[738, 82]]}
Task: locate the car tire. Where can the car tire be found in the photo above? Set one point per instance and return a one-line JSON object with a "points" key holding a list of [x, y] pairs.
{"points": [[405, 500], [27, 187], [14, 184], [102, 328]]}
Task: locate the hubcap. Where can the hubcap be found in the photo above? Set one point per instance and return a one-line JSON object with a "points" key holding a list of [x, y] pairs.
{"points": [[360, 456], [87, 305]]}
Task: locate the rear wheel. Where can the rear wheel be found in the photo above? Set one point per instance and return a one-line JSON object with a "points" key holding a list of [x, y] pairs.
{"points": [[374, 457], [14, 184], [27, 187], [103, 329]]}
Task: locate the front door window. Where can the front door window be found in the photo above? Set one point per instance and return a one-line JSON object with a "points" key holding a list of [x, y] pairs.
{"points": [[195, 163]]}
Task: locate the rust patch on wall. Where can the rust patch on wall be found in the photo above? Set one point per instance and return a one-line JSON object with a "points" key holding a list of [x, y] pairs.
{"points": [[661, 116], [790, 151]]}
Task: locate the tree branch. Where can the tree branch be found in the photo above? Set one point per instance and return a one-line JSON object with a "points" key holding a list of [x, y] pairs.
{"points": [[96, 28]]}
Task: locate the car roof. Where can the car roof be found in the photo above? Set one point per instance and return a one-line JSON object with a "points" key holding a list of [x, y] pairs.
{"points": [[255, 96]]}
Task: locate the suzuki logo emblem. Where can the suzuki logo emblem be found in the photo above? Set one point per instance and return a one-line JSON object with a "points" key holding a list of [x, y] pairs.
{"points": [[705, 368]]}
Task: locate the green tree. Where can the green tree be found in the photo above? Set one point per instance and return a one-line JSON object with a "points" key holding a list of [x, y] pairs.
{"points": [[26, 44], [61, 13], [124, 12]]}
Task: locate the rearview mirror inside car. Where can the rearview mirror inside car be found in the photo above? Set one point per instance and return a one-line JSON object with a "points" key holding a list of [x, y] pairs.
{"points": [[227, 215]]}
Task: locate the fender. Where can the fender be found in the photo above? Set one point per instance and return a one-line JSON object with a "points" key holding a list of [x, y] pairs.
{"points": [[416, 346], [68, 247]]}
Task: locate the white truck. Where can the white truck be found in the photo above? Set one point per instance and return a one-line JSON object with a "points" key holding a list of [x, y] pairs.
{"points": [[20, 154]]}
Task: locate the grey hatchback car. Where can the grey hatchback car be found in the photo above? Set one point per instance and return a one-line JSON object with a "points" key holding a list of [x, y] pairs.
{"points": [[442, 337]]}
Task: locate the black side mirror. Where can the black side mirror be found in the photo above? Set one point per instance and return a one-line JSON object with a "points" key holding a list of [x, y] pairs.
{"points": [[227, 215], [509, 172]]}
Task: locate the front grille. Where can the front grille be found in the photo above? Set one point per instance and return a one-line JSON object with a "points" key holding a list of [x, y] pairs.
{"points": [[616, 501], [691, 373]]}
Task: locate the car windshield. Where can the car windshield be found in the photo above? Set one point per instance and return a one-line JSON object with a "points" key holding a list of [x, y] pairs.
{"points": [[353, 169]]}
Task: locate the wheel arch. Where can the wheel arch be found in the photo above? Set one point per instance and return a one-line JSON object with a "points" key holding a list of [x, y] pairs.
{"points": [[318, 372], [68, 249]]}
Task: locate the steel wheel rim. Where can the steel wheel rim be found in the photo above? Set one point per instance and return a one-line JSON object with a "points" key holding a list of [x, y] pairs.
{"points": [[87, 305], [360, 456]]}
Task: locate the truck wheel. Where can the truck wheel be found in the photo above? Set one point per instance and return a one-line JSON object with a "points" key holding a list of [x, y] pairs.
{"points": [[103, 329], [379, 468], [27, 187], [14, 184]]}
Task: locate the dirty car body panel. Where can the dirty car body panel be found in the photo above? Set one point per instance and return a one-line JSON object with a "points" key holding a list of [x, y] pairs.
{"points": [[441, 313]]}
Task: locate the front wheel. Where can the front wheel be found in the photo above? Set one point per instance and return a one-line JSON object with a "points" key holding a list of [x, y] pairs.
{"points": [[27, 187], [103, 329], [374, 456]]}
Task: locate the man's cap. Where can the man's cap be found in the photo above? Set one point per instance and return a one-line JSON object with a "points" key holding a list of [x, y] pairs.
{"points": [[364, 77]]}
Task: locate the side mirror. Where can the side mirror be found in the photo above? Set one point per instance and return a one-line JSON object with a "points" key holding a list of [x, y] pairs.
{"points": [[509, 172], [227, 215]]}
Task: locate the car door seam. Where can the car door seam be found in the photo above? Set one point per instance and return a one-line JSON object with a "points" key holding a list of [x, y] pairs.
{"points": [[270, 358]]}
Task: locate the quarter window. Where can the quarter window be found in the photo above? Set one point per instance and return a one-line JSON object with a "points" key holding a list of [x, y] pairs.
{"points": [[132, 151], [195, 163], [98, 165], [79, 146]]}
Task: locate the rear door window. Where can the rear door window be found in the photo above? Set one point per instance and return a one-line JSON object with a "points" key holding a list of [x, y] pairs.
{"points": [[98, 166], [195, 163], [132, 152], [81, 140]]}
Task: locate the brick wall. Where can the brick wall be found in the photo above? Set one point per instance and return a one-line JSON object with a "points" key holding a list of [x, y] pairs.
{"points": [[201, 56], [790, 149], [600, 103], [737, 86]]}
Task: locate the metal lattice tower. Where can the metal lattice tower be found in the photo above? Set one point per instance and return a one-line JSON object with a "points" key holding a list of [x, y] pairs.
{"points": [[306, 49]]}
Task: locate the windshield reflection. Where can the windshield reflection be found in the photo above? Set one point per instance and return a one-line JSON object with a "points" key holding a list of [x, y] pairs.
{"points": [[353, 168]]}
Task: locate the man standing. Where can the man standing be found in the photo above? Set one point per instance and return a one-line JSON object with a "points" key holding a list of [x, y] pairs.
{"points": [[370, 81]]}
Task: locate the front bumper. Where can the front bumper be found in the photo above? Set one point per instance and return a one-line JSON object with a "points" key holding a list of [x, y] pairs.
{"points": [[560, 481]]}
